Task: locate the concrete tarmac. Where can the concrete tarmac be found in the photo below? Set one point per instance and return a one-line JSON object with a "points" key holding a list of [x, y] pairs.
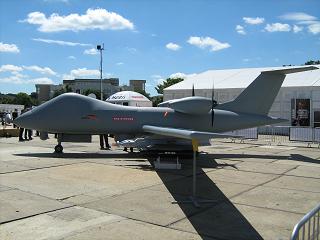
{"points": [[258, 192]]}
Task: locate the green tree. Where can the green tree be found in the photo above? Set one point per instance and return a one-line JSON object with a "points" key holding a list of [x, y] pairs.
{"points": [[156, 100], [167, 83], [23, 99], [58, 92], [5, 99], [94, 91], [63, 90], [144, 93], [311, 62], [68, 88], [34, 95]]}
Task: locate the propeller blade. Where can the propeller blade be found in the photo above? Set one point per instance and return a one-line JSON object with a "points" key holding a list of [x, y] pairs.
{"points": [[212, 105], [193, 94]]}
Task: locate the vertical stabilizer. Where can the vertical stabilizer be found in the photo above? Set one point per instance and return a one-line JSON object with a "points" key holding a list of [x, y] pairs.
{"points": [[259, 96]]}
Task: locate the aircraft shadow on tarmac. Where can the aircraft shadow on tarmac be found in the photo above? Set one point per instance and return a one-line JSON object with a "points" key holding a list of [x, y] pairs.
{"points": [[292, 157], [218, 220], [83, 155], [121, 155]]}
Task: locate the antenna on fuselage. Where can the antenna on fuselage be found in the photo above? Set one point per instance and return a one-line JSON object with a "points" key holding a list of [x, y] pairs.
{"points": [[213, 104], [193, 94]]}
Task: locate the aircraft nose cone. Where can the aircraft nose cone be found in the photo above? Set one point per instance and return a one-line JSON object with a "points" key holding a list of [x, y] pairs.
{"points": [[24, 120]]}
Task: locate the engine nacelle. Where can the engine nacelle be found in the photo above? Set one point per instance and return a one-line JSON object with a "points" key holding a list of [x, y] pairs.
{"points": [[190, 105]]}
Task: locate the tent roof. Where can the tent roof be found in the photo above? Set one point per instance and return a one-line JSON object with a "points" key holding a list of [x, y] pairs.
{"points": [[241, 78]]}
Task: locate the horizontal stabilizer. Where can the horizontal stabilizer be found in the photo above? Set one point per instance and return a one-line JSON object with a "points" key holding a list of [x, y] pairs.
{"points": [[183, 133], [291, 70]]}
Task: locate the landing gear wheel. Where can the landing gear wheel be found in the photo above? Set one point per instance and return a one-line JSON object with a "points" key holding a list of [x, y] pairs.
{"points": [[58, 149], [131, 149]]}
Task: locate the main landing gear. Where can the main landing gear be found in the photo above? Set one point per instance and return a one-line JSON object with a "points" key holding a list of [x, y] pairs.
{"points": [[126, 149]]}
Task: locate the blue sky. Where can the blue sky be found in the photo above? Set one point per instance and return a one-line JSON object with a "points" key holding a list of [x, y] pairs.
{"points": [[46, 41]]}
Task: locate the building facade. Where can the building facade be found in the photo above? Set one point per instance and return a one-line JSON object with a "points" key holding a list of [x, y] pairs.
{"points": [[109, 85], [138, 85], [46, 91], [298, 99]]}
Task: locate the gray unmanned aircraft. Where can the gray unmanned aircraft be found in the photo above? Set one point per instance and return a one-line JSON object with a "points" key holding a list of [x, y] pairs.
{"points": [[193, 119]]}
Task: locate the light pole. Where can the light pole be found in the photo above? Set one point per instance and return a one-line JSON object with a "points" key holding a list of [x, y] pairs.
{"points": [[101, 49]]}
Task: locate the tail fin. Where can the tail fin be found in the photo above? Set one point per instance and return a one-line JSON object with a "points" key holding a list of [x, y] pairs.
{"points": [[259, 96]]}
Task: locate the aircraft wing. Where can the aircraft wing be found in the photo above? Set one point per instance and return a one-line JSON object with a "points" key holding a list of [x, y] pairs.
{"points": [[183, 133]]}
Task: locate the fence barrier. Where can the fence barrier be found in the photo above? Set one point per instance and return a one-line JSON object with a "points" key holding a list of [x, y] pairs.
{"points": [[308, 228], [301, 134], [279, 135], [317, 135], [248, 133]]}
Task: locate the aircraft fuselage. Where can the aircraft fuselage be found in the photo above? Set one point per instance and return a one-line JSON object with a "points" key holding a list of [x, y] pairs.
{"points": [[76, 114]]}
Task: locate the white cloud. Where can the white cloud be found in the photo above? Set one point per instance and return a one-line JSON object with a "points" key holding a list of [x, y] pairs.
{"points": [[12, 79], [14, 69], [156, 76], [62, 43], [18, 80], [314, 28], [119, 63], [131, 50], [204, 42], [54, 1], [93, 19], [158, 79], [10, 68], [278, 27], [253, 21], [298, 16], [312, 22], [11, 48], [42, 70], [178, 75], [91, 51], [72, 57], [43, 80], [17, 77], [173, 46], [297, 29], [82, 72], [240, 30]]}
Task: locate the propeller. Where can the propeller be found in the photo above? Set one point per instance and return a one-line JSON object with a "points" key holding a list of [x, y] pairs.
{"points": [[213, 105], [193, 94]]}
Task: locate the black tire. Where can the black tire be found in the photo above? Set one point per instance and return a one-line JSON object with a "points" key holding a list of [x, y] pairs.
{"points": [[131, 149], [58, 149]]}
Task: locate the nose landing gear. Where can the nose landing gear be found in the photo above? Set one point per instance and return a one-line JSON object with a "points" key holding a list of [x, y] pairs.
{"points": [[58, 148]]}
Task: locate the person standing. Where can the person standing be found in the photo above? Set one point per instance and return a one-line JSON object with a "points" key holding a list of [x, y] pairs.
{"points": [[21, 130], [14, 116], [104, 139]]}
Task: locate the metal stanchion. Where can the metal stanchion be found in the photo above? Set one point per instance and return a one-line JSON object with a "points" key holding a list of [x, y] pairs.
{"points": [[193, 198]]}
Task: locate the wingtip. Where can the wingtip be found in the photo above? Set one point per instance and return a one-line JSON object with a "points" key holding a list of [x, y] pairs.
{"points": [[314, 68]]}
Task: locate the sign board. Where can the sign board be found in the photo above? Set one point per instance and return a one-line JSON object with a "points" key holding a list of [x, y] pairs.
{"points": [[300, 112]]}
